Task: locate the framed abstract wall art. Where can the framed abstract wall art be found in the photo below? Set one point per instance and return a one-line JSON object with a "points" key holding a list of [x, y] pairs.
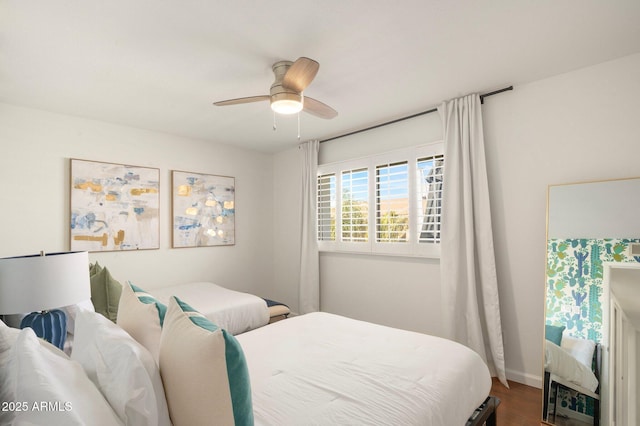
{"points": [[203, 209], [114, 207]]}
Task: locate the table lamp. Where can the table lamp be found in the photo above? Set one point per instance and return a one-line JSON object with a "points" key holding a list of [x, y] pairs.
{"points": [[40, 284]]}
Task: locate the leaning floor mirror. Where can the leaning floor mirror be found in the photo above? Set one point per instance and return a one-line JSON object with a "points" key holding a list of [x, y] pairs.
{"points": [[592, 313]]}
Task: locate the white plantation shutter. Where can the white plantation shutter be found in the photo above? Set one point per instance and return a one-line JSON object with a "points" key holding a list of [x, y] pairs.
{"points": [[429, 213], [355, 205], [327, 207], [392, 202]]}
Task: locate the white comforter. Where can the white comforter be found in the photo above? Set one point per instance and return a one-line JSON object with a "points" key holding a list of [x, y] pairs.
{"points": [[323, 369], [234, 311]]}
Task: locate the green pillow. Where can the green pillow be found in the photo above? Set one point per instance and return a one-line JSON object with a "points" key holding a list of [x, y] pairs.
{"points": [[105, 292], [94, 268], [553, 333]]}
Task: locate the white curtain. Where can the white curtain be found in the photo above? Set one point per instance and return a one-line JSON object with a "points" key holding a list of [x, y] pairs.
{"points": [[309, 291], [471, 309]]}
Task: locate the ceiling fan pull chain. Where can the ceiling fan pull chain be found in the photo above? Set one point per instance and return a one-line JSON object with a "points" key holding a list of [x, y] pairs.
{"points": [[298, 127], [274, 121]]}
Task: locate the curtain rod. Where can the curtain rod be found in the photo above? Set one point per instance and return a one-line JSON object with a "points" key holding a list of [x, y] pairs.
{"points": [[429, 111]]}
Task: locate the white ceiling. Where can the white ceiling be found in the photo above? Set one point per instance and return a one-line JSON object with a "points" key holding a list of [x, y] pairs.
{"points": [[159, 65]]}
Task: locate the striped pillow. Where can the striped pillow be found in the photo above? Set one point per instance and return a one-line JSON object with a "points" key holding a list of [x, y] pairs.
{"points": [[141, 315], [203, 369]]}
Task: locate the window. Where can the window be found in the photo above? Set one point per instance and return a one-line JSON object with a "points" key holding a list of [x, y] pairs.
{"points": [[385, 204]]}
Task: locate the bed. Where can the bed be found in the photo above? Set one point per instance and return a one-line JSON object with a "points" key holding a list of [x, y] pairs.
{"points": [[235, 311], [326, 369], [315, 369]]}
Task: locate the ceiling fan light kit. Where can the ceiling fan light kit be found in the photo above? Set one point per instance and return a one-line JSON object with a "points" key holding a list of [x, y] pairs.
{"points": [[286, 103]]}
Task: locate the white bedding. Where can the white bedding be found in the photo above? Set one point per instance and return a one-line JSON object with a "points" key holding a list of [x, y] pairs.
{"points": [[559, 362], [324, 369], [234, 311]]}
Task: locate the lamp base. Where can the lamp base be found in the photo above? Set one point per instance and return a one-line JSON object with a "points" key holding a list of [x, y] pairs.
{"points": [[49, 325]]}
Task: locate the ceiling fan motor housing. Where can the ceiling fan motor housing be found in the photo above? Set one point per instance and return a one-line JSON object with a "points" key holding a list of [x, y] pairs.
{"points": [[283, 100]]}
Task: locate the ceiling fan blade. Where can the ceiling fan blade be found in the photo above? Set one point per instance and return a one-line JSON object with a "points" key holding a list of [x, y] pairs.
{"points": [[243, 100], [319, 109], [300, 74]]}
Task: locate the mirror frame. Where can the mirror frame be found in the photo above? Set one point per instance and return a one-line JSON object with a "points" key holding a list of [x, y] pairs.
{"points": [[633, 206]]}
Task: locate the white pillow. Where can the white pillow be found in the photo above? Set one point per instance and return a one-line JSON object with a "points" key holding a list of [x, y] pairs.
{"points": [[141, 315], [122, 369], [52, 389], [72, 310], [559, 362], [580, 349], [8, 338], [204, 370]]}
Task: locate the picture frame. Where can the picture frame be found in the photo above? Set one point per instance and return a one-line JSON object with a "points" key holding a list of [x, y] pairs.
{"points": [[113, 207], [203, 209]]}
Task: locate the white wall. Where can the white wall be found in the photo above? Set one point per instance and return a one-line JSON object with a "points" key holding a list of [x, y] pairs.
{"points": [[34, 197], [577, 126], [286, 226], [582, 125]]}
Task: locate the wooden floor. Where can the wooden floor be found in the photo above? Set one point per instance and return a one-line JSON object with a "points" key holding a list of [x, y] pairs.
{"points": [[520, 405]]}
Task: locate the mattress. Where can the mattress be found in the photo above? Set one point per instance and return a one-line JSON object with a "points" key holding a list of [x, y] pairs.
{"points": [[324, 369], [232, 310]]}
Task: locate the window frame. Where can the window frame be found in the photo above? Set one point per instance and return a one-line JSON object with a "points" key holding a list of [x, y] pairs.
{"points": [[410, 248]]}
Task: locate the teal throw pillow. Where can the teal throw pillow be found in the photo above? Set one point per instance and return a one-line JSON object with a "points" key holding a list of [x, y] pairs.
{"points": [[553, 333]]}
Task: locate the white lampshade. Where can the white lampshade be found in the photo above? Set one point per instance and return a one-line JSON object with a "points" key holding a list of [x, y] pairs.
{"points": [[43, 282]]}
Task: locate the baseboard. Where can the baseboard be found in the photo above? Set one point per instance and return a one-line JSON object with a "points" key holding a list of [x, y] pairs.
{"points": [[524, 378]]}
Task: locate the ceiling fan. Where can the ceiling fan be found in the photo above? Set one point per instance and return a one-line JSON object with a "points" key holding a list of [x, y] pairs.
{"points": [[286, 91]]}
